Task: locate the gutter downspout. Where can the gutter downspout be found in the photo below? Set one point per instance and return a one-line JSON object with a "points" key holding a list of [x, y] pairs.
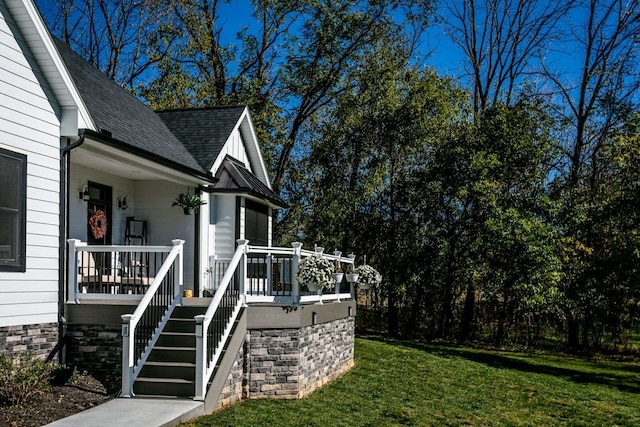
{"points": [[63, 228], [196, 250]]}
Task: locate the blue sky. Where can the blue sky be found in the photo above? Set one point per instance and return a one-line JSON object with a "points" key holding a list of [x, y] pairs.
{"points": [[446, 57]]}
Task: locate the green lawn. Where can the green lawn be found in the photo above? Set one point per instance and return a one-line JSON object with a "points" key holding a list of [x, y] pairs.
{"points": [[405, 383]]}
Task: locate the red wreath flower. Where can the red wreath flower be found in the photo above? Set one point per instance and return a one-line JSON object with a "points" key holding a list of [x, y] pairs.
{"points": [[98, 224]]}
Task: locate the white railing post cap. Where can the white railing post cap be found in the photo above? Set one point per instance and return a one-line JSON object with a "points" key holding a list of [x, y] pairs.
{"points": [[177, 242]]}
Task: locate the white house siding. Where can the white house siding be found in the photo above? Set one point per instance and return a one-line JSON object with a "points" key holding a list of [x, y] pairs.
{"points": [[79, 176], [153, 203], [225, 226], [30, 125]]}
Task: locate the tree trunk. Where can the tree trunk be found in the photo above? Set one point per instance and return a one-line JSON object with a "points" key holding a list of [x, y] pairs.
{"points": [[467, 314], [573, 334], [410, 327]]}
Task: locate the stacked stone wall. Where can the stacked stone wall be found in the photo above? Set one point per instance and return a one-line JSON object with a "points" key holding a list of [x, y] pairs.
{"points": [[274, 363], [38, 339], [292, 363], [96, 349], [326, 352], [233, 390]]}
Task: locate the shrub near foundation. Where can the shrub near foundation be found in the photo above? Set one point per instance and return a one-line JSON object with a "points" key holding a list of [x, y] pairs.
{"points": [[22, 377]]}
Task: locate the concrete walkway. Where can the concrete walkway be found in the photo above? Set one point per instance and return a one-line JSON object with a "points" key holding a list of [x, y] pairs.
{"points": [[143, 412]]}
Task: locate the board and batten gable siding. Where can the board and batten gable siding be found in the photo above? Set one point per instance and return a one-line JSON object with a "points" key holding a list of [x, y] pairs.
{"points": [[30, 125], [234, 147]]}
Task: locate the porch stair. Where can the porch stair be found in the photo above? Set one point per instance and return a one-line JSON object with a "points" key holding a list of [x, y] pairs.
{"points": [[170, 370]]}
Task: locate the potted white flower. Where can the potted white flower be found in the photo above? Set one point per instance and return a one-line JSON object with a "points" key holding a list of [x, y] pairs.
{"points": [[368, 277], [316, 273]]}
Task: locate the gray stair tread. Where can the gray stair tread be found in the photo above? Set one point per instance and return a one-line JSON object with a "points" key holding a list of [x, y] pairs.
{"points": [[162, 396], [164, 347], [163, 380], [170, 364]]}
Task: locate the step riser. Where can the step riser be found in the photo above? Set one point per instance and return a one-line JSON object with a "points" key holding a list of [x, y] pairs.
{"points": [[188, 312], [170, 340], [164, 389], [188, 356], [174, 372], [181, 325]]}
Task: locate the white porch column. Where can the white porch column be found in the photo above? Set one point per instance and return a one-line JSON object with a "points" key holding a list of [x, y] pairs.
{"points": [[72, 270], [295, 286], [127, 356], [179, 272], [201, 357], [242, 266]]}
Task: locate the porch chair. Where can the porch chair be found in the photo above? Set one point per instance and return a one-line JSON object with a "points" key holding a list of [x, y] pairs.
{"points": [[91, 279]]}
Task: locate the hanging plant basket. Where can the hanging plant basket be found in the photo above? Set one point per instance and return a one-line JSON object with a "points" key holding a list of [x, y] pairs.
{"points": [[188, 202], [313, 286], [368, 276], [316, 273]]}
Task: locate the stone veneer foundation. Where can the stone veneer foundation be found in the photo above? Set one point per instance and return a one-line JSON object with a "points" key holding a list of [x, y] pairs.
{"points": [[292, 363], [39, 339], [95, 348], [287, 362]]}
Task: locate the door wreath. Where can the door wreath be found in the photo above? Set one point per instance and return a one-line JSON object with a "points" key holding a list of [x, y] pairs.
{"points": [[98, 224]]}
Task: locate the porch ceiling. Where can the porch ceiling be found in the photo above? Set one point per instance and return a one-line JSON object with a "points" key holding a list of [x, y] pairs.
{"points": [[126, 165]]}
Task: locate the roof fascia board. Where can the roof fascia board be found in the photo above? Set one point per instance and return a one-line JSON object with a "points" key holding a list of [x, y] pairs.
{"points": [[50, 54], [261, 170], [248, 194], [98, 143]]}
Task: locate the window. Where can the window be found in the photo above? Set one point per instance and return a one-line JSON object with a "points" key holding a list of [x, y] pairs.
{"points": [[256, 223], [13, 207]]}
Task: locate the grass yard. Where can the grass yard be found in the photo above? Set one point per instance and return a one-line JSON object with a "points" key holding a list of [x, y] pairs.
{"points": [[405, 383]]}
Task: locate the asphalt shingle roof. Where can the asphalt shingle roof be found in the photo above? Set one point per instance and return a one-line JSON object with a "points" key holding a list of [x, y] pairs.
{"points": [[115, 110], [203, 131]]}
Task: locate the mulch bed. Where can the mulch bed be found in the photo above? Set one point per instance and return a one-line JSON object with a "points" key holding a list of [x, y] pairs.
{"points": [[80, 393]]}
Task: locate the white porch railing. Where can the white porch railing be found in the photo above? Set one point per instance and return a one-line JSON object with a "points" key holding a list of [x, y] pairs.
{"points": [[270, 276], [152, 275], [112, 271], [141, 330], [254, 274]]}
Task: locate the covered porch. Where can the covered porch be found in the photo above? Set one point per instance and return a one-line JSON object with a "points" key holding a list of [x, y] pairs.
{"points": [[119, 209], [255, 293]]}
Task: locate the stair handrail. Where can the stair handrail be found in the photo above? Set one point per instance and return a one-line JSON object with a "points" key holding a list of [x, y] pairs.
{"points": [[131, 362], [204, 367]]}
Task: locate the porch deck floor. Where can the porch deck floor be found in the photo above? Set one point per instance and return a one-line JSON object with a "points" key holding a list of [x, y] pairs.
{"points": [[148, 412]]}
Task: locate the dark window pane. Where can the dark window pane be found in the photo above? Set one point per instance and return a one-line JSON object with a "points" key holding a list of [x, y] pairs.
{"points": [[13, 179], [8, 233], [9, 183], [256, 224]]}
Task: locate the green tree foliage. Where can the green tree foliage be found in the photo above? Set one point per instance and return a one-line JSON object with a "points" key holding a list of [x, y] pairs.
{"points": [[500, 205]]}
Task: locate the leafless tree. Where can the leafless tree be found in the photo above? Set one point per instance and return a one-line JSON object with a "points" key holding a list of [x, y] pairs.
{"points": [[500, 40], [111, 34], [602, 38]]}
